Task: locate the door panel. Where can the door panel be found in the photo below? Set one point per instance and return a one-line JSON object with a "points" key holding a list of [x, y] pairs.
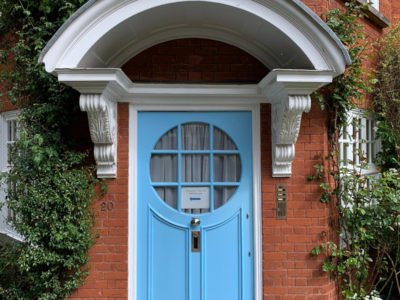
{"points": [[194, 218], [223, 252], [168, 259]]}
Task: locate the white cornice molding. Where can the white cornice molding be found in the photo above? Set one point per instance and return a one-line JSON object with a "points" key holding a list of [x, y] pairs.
{"points": [[289, 93]]}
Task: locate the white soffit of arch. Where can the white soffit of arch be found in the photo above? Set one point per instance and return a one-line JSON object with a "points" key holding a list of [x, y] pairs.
{"points": [[281, 34], [105, 34]]}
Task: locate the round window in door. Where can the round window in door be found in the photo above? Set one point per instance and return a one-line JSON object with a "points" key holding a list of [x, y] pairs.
{"points": [[195, 168]]}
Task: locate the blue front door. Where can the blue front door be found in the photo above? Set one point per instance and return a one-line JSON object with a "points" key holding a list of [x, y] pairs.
{"points": [[194, 216]]}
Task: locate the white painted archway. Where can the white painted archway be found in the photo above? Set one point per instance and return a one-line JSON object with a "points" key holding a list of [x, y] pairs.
{"points": [[282, 34]]}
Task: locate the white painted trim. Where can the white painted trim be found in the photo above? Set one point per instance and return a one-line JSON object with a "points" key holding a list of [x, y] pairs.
{"points": [[4, 117], [364, 115], [257, 204], [132, 203], [195, 105]]}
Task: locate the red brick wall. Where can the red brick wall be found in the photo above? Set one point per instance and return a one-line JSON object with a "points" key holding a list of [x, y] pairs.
{"points": [[290, 272], [395, 11], [194, 60], [6, 105], [108, 277]]}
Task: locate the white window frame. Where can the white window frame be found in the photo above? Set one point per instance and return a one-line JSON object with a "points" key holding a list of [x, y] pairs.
{"points": [[360, 133], [375, 4], [5, 227]]}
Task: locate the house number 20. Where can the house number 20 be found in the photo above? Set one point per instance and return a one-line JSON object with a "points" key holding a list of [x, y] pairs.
{"points": [[107, 206]]}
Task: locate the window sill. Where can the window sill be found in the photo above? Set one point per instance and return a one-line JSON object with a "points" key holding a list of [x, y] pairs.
{"points": [[370, 170], [374, 16], [6, 237]]}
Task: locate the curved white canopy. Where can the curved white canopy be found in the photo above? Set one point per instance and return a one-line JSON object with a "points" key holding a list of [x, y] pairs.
{"points": [[281, 34], [89, 49]]}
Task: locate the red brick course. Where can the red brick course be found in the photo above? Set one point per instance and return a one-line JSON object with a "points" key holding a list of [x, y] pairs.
{"points": [[108, 277], [290, 272], [194, 60]]}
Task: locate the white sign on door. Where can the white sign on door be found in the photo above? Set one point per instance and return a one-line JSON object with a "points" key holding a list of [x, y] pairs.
{"points": [[195, 197]]}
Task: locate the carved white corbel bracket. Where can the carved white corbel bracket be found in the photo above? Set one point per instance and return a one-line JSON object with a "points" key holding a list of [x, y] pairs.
{"points": [[100, 91], [102, 115], [286, 122], [289, 92]]}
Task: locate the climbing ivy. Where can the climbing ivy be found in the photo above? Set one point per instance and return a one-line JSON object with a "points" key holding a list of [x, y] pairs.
{"points": [[363, 254], [387, 98], [340, 97], [51, 182]]}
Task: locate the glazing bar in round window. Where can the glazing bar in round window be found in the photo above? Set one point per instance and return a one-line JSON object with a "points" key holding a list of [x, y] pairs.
{"points": [[212, 168], [179, 200]]}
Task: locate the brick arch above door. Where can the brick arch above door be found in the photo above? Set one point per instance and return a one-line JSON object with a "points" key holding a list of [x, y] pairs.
{"points": [[194, 60]]}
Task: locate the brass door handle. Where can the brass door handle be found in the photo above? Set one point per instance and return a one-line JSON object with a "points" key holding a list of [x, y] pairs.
{"points": [[195, 222]]}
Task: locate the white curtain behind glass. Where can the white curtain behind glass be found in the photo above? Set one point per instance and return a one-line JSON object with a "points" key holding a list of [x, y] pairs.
{"points": [[195, 136], [195, 167]]}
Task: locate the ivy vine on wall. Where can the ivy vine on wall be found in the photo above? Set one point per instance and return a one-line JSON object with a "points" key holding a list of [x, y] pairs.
{"points": [[363, 254], [51, 183], [387, 98]]}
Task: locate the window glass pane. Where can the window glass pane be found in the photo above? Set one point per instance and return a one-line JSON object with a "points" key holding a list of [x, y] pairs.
{"points": [[15, 133], [373, 130], [355, 153], [222, 194], [168, 141], [222, 141], [375, 4], [163, 168], [168, 194], [227, 168], [195, 168], [195, 136], [9, 153], [9, 131], [355, 131], [369, 156]]}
